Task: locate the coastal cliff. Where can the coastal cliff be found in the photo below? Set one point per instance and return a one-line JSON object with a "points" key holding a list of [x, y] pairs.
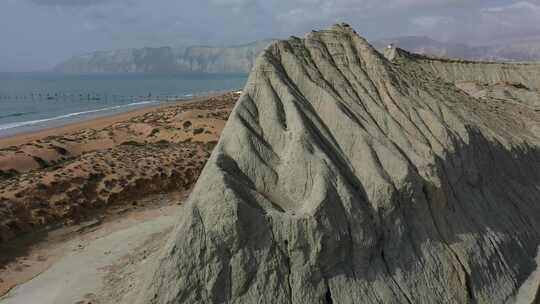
{"points": [[203, 59]]}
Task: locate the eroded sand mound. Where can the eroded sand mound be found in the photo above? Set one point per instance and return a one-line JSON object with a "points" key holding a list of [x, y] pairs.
{"points": [[344, 177]]}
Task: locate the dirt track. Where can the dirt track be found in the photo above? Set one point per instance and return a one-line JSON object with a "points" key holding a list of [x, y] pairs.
{"points": [[100, 264]]}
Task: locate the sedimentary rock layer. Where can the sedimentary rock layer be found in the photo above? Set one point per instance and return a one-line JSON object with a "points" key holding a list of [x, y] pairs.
{"points": [[345, 177]]}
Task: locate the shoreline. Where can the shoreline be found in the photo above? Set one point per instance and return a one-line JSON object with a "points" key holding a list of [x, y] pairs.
{"points": [[73, 170], [89, 176], [92, 122]]}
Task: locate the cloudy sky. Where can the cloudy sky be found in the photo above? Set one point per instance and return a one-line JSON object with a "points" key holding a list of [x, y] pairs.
{"points": [[36, 34]]}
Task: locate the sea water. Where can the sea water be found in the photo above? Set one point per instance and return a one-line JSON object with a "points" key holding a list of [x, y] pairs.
{"points": [[31, 101]]}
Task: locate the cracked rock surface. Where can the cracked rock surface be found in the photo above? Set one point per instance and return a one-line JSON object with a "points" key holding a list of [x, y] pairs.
{"points": [[343, 176]]}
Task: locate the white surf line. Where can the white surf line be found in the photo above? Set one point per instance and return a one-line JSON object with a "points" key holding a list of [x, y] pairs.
{"points": [[34, 122]]}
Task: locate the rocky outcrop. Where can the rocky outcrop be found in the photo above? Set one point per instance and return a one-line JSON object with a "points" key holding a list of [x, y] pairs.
{"points": [[427, 46], [526, 50], [450, 70], [345, 177]]}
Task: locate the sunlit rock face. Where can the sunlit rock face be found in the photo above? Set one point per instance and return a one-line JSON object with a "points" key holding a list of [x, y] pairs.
{"points": [[343, 176]]}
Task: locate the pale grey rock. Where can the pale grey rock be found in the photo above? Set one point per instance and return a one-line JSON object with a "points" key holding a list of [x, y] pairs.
{"points": [[516, 51], [345, 177], [452, 70], [431, 47]]}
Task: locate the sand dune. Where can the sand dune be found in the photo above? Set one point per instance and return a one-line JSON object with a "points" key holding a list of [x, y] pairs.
{"points": [[63, 175]]}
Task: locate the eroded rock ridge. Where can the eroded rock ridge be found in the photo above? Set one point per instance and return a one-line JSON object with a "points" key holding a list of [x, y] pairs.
{"points": [[346, 177]]}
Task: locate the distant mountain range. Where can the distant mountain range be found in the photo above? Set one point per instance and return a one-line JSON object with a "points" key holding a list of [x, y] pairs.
{"points": [[206, 59], [241, 58]]}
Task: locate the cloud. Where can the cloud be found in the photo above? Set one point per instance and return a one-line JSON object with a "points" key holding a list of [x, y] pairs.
{"points": [[373, 18], [432, 21], [62, 28], [491, 23], [513, 7], [514, 21], [69, 3]]}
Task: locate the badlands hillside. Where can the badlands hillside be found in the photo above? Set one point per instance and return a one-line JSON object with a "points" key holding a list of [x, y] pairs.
{"points": [[343, 176]]}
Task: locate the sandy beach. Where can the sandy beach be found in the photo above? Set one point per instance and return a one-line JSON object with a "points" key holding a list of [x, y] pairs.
{"points": [[68, 193], [94, 123], [63, 176]]}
